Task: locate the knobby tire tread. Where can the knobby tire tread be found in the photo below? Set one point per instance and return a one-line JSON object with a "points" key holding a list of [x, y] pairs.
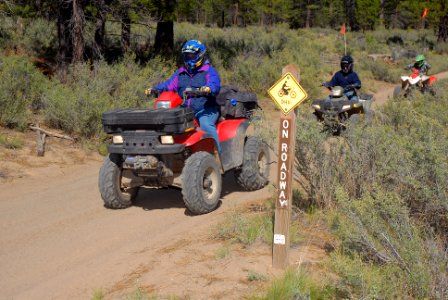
{"points": [[192, 180], [109, 182], [249, 177]]}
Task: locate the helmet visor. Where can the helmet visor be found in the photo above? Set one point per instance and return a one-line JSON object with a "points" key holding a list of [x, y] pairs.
{"points": [[345, 66], [190, 56]]}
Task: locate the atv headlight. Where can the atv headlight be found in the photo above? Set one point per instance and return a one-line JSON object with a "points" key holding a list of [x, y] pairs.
{"points": [[316, 106], [167, 139], [163, 104], [117, 139], [346, 107]]}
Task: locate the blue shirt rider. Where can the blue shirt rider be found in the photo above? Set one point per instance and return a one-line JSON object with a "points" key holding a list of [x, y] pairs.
{"points": [[346, 78]]}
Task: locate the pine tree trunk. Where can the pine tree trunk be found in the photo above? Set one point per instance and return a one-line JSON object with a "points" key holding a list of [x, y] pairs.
{"points": [[350, 6], [164, 43], [308, 17], [382, 13], [235, 17], [78, 31], [65, 49], [98, 48], [443, 29], [125, 27]]}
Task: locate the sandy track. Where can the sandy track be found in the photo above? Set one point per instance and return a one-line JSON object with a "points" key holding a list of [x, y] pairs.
{"points": [[59, 242]]}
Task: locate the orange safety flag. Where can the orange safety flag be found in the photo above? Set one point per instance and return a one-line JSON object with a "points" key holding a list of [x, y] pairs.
{"points": [[343, 29], [425, 12]]}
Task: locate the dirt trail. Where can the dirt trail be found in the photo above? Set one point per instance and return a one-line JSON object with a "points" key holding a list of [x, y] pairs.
{"points": [[57, 241]]}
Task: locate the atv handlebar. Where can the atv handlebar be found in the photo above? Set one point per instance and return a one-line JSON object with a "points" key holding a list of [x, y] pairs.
{"points": [[190, 91], [151, 92], [352, 87], [346, 88]]}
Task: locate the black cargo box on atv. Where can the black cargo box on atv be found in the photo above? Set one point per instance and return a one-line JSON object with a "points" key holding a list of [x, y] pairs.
{"points": [[172, 120], [235, 103]]}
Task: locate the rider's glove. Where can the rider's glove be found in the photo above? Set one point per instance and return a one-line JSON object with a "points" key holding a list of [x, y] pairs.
{"points": [[326, 84], [205, 90], [151, 92], [352, 86]]}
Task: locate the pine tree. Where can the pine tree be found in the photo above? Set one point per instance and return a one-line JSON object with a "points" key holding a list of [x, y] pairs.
{"points": [[367, 13]]}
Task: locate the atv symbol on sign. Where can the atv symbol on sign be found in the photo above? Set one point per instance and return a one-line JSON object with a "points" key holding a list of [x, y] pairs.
{"points": [[287, 90]]}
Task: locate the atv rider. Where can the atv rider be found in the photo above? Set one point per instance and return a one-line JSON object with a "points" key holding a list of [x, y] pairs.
{"points": [[346, 78], [196, 73], [420, 64], [422, 67]]}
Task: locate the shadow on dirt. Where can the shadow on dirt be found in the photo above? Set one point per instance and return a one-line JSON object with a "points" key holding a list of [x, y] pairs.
{"points": [[166, 198]]}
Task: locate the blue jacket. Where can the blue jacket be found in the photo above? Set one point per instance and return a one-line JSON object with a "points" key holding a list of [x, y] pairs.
{"points": [[206, 75], [343, 80]]}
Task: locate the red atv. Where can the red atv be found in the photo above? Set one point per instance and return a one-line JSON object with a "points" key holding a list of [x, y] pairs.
{"points": [[415, 81], [151, 147]]}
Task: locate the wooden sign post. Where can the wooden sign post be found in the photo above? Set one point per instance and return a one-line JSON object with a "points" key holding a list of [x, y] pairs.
{"points": [[288, 94]]}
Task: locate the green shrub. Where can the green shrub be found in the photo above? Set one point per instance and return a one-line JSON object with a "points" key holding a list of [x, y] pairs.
{"points": [[241, 229], [247, 229], [394, 234], [76, 106], [377, 230], [255, 276], [21, 87], [11, 142], [40, 36], [297, 284]]}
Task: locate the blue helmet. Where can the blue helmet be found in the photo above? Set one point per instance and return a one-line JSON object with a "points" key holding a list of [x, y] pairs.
{"points": [[193, 53]]}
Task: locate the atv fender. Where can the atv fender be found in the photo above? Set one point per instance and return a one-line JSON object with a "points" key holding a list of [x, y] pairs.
{"points": [[198, 141], [232, 136]]}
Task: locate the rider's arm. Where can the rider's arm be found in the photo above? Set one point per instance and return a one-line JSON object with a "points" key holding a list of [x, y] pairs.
{"points": [[169, 85], [356, 82], [213, 81], [334, 80]]}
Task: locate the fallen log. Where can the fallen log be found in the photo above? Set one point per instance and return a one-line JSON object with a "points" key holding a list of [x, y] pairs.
{"points": [[41, 138]]}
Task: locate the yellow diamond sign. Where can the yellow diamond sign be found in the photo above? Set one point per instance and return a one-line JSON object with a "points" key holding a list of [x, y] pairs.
{"points": [[287, 93]]}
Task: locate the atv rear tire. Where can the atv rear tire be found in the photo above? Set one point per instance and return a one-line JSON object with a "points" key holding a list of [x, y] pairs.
{"points": [[254, 173], [109, 184], [201, 183]]}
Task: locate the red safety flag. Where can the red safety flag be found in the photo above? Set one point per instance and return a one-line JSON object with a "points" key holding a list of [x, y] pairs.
{"points": [[425, 12], [343, 29]]}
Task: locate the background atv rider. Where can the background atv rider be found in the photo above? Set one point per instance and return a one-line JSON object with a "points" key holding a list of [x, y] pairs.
{"points": [[420, 64], [346, 78], [196, 73], [423, 67]]}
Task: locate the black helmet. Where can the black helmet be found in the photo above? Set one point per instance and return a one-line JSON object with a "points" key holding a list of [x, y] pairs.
{"points": [[346, 64]]}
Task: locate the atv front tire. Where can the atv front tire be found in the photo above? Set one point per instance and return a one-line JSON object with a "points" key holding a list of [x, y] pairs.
{"points": [[109, 183], [201, 183], [254, 173]]}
